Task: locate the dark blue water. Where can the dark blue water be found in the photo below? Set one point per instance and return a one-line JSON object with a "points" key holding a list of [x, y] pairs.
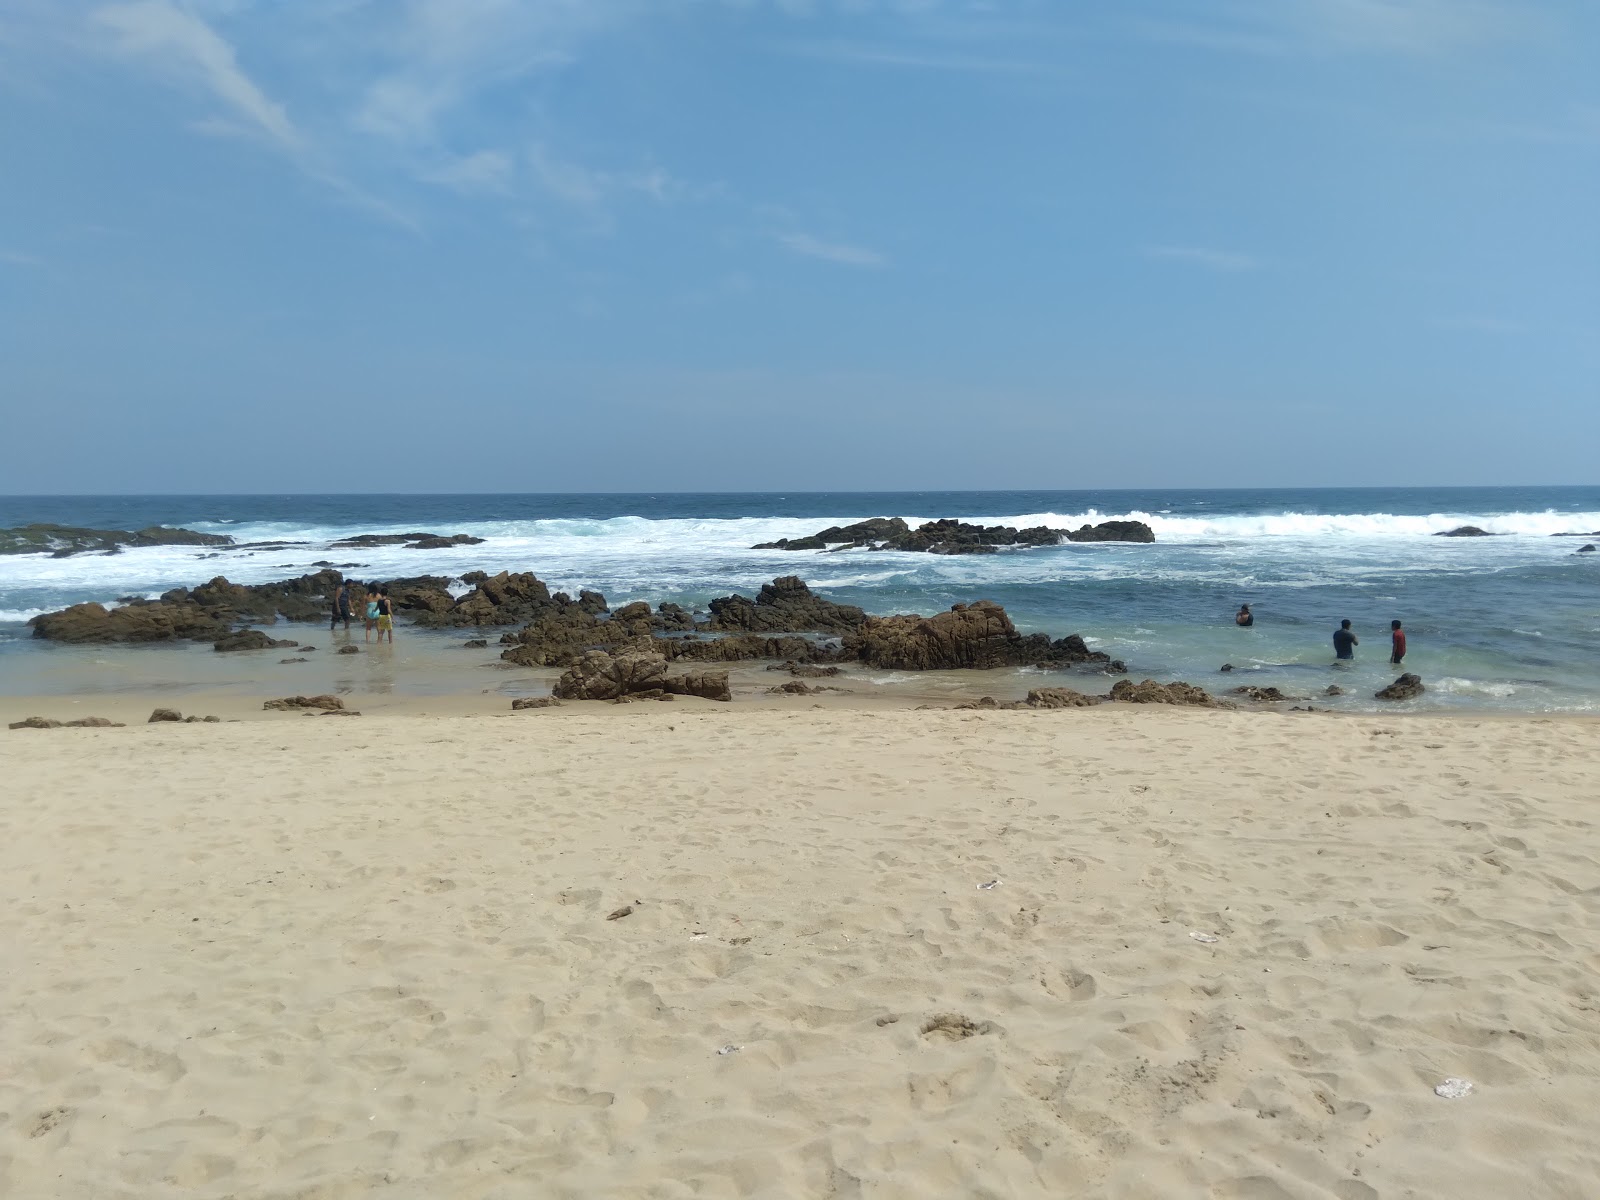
{"points": [[1505, 623]]}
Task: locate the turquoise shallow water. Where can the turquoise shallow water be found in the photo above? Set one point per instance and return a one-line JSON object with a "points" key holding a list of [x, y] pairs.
{"points": [[1508, 623]]}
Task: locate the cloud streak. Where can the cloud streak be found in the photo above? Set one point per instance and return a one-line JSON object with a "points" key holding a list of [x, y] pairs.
{"points": [[182, 43], [807, 246]]}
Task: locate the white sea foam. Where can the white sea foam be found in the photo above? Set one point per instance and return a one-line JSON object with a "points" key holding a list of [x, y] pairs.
{"points": [[1455, 686]]}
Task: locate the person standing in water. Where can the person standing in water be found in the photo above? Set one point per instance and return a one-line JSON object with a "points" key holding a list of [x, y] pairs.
{"points": [[385, 615], [1397, 638], [1345, 642], [371, 613], [1244, 618], [341, 608]]}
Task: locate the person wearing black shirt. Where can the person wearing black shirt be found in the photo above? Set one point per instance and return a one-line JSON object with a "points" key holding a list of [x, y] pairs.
{"points": [[1244, 618], [1344, 641]]}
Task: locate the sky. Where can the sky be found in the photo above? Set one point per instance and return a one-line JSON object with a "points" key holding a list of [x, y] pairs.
{"points": [[692, 245]]}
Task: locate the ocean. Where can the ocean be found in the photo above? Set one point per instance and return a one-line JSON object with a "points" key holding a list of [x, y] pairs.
{"points": [[1502, 624]]}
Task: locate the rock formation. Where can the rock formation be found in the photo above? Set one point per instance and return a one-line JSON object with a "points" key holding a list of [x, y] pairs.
{"points": [[411, 541], [1148, 691], [62, 541], [1407, 687], [1464, 531], [955, 537], [602, 676], [786, 605], [249, 639], [292, 703], [970, 636]]}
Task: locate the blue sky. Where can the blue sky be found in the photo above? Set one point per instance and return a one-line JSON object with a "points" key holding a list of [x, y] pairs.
{"points": [[458, 245]]}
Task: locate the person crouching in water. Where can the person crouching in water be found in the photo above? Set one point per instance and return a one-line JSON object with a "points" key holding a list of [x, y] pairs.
{"points": [[385, 615], [1397, 638], [1244, 618], [371, 613]]}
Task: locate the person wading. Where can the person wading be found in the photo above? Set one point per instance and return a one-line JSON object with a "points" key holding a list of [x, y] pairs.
{"points": [[1345, 642]]}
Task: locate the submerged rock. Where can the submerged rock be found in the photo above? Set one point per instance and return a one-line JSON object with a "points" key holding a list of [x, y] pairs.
{"points": [[249, 639], [1407, 687], [1464, 531], [1262, 695]]}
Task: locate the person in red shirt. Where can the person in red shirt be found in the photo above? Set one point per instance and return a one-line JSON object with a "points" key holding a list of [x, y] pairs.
{"points": [[1398, 637]]}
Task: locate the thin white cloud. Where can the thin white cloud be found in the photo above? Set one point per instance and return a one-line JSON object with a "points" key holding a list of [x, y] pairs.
{"points": [[852, 54], [1281, 27], [17, 258], [181, 42], [1203, 256], [836, 252], [484, 171]]}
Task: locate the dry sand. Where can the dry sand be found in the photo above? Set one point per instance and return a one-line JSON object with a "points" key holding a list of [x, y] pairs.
{"points": [[322, 958]]}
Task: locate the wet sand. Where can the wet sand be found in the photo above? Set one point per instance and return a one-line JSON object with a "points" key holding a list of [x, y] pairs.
{"points": [[309, 957]]}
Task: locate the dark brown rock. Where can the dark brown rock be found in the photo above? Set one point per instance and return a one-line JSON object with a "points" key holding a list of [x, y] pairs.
{"points": [[291, 703], [146, 621], [1113, 531], [36, 723], [248, 639], [527, 702], [708, 685], [1060, 698], [1148, 691], [164, 714], [62, 541], [807, 670], [1333, 689], [284, 662], [978, 636], [503, 599], [475, 644], [786, 605], [348, 650], [601, 676], [1465, 531], [1262, 695], [1407, 687]]}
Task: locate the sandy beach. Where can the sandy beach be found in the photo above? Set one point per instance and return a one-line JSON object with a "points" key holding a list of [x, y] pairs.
{"points": [[321, 959]]}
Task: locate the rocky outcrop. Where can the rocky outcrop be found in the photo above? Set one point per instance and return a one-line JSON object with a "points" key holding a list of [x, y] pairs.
{"points": [[602, 676], [348, 650], [786, 605], [411, 541], [976, 636], [80, 723], [503, 599], [527, 702], [748, 647], [956, 537], [249, 639], [291, 703], [164, 714], [1060, 698], [421, 594], [1148, 691], [806, 670], [862, 533], [708, 685], [1407, 687], [1333, 689], [63, 541], [1262, 695], [1038, 698], [145, 621], [1589, 549], [565, 630], [1112, 531], [306, 598], [1464, 531]]}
